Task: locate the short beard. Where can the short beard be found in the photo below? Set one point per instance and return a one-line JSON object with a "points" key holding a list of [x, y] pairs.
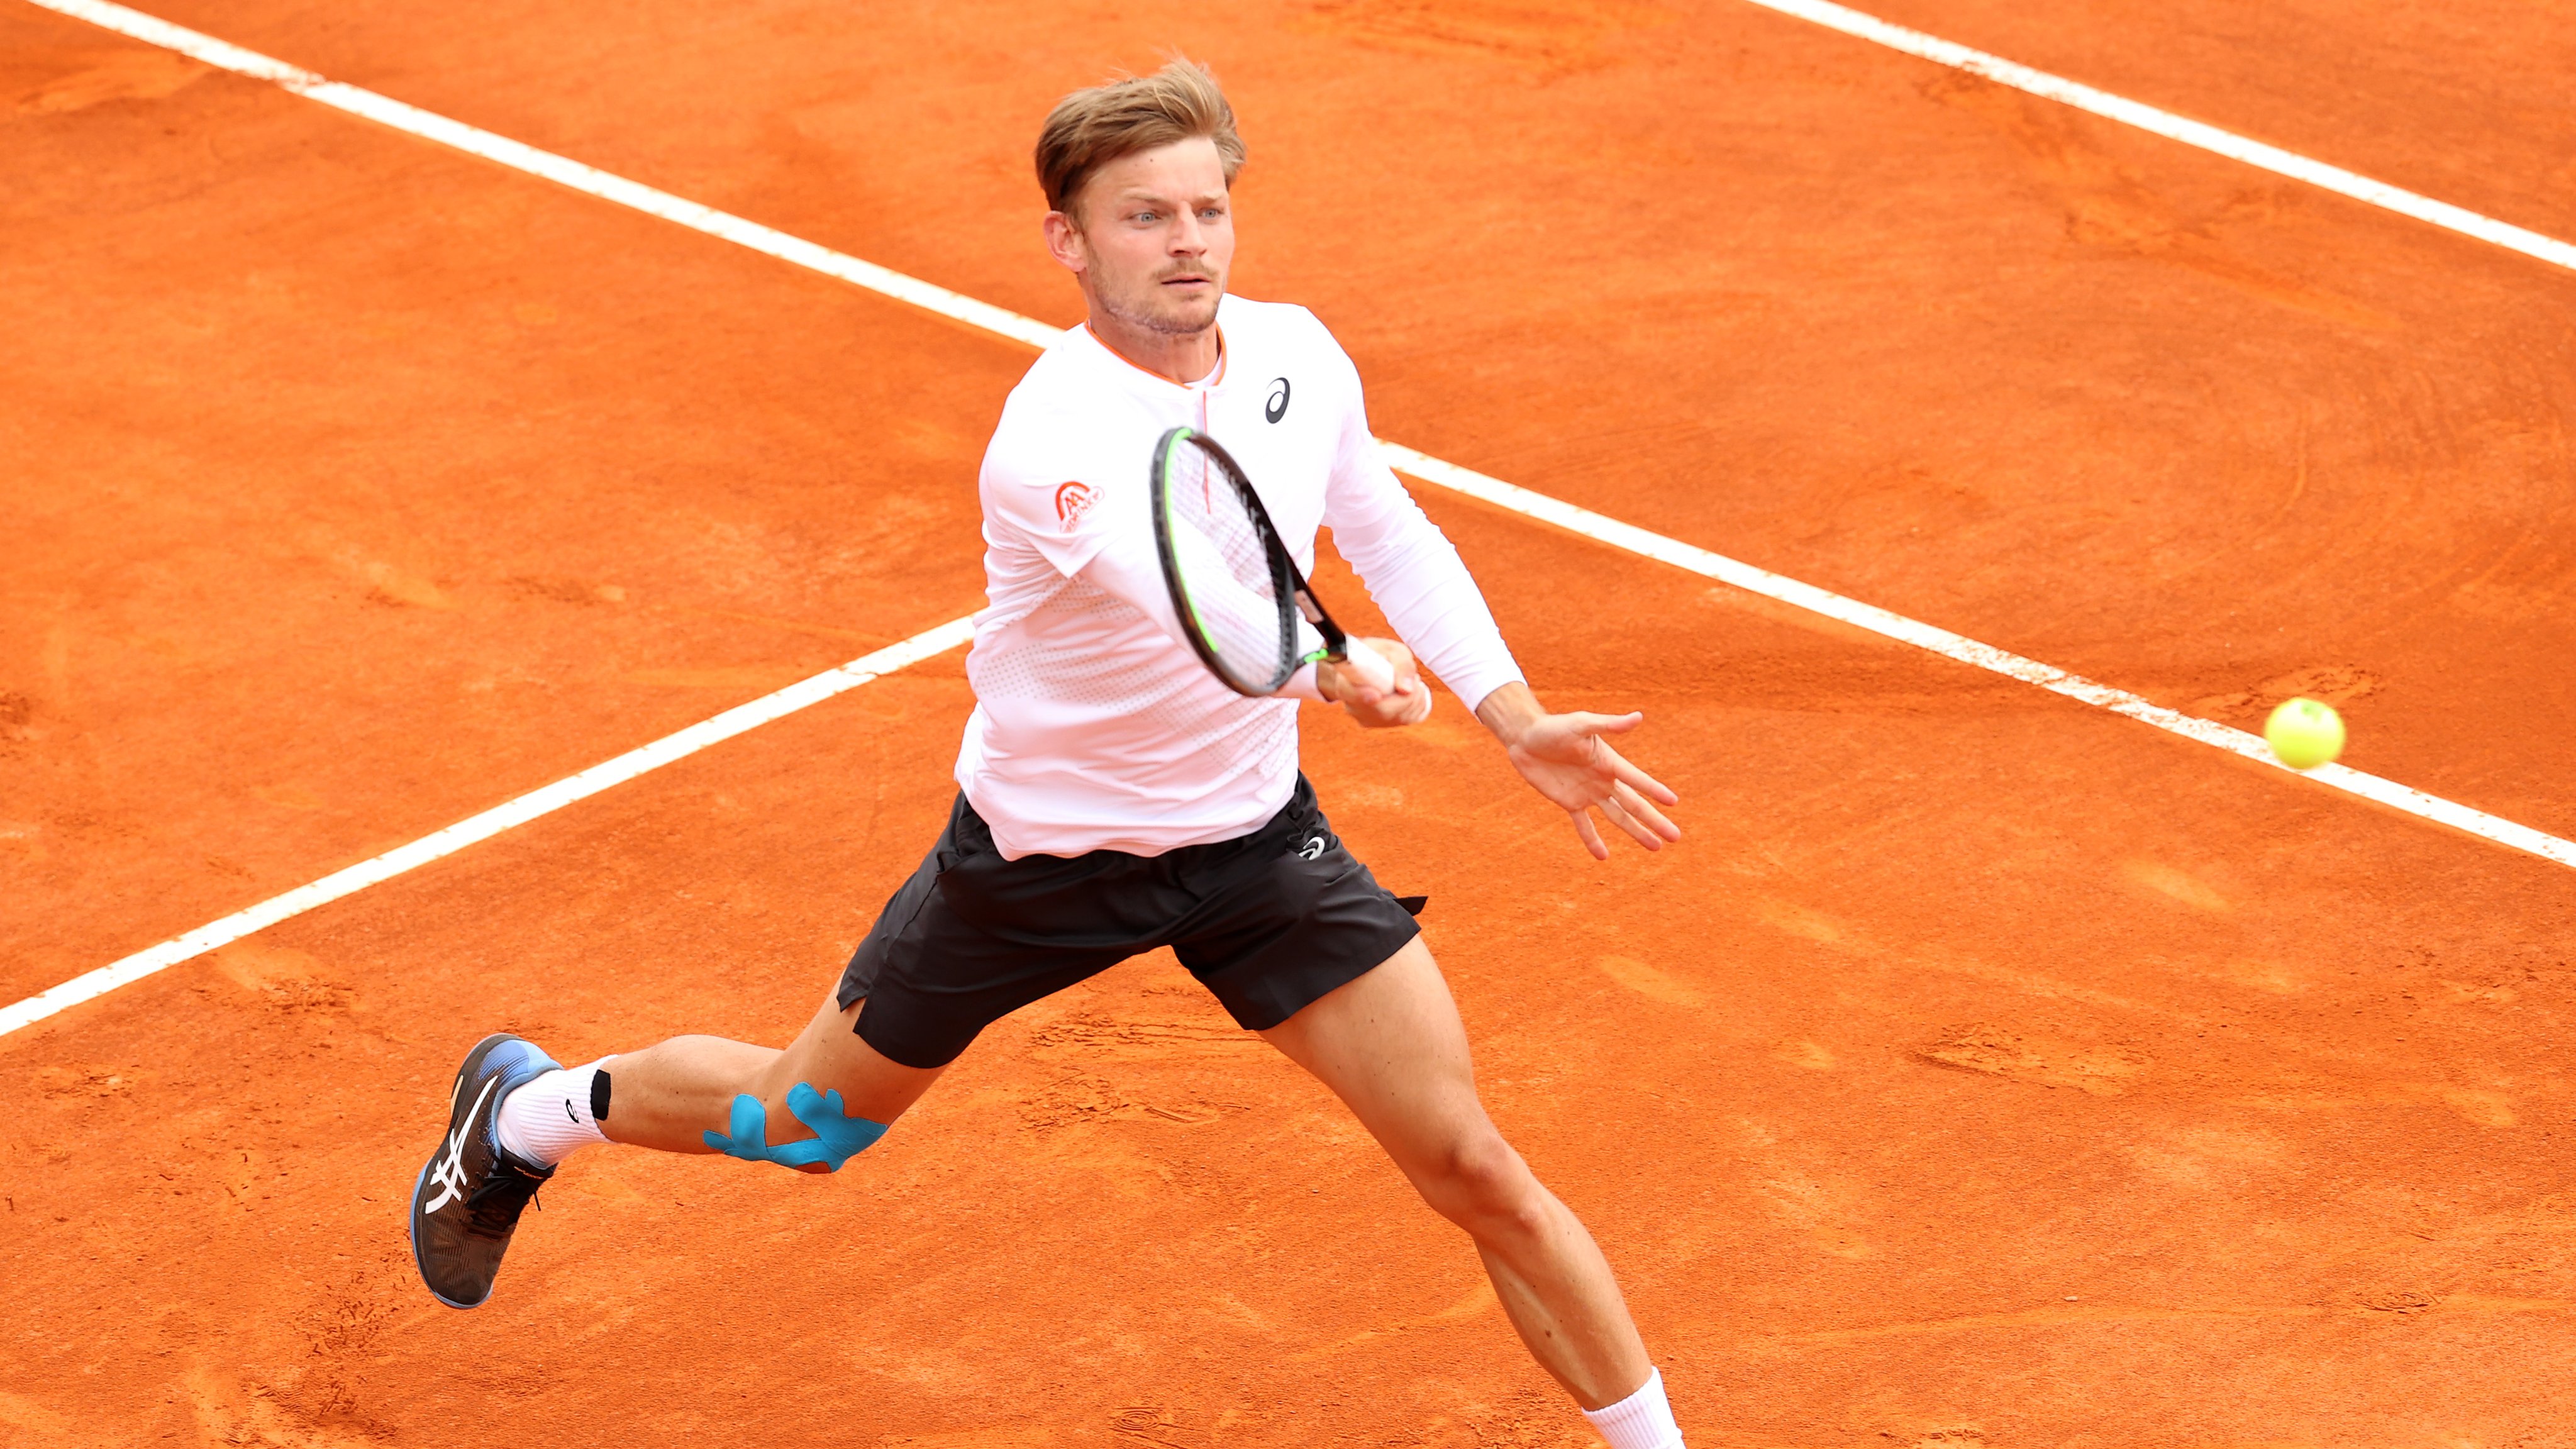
{"points": [[1168, 326]]}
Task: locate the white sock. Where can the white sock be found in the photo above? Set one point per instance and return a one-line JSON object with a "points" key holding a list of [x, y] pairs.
{"points": [[544, 1121], [1640, 1421]]}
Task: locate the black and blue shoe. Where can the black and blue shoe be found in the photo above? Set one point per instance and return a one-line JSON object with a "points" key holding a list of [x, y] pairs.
{"points": [[468, 1198]]}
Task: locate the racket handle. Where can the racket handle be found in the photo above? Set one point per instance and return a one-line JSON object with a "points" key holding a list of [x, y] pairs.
{"points": [[1368, 666]]}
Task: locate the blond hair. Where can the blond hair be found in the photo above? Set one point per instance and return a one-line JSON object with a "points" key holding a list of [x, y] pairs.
{"points": [[1092, 128]]}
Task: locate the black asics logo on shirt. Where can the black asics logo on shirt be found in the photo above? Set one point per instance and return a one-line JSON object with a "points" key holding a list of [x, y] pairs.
{"points": [[1277, 407]]}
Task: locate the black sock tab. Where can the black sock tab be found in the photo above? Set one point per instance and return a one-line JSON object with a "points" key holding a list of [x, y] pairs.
{"points": [[599, 1096]]}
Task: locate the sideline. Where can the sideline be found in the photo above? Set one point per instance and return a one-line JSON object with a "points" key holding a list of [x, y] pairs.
{"points": [[2173, 128], [1030, 331], [544, 800]]}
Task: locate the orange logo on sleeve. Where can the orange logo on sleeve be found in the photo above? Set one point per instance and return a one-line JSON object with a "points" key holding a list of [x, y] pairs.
{"points": [[1072, 500]]}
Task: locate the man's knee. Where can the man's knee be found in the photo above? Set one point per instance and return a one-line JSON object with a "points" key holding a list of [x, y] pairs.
{"points": [[1482, 1185], [837, 1136]]}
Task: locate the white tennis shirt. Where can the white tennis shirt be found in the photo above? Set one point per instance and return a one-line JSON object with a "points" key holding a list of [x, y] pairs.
{"points": [[1095, 726]]}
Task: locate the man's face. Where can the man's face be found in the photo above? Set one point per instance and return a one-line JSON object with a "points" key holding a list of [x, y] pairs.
{"points": [[1152, 236]]}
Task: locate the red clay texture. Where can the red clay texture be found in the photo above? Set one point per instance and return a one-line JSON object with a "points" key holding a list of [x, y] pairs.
{"points": [[1980, 1070]]}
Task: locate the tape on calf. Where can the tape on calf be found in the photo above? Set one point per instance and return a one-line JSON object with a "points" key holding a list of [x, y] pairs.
{"points": [[837, 1138]]}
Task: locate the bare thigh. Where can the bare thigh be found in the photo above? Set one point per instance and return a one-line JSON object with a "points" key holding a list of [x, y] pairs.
{"points": [[830, 1055], [1391, 1045]]}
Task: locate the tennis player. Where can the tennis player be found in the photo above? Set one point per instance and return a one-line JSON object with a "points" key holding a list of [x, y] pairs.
{"points": [[1116, 797]]}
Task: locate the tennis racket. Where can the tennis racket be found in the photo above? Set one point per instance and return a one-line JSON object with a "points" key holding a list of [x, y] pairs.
{"points": [[1243, 604]]}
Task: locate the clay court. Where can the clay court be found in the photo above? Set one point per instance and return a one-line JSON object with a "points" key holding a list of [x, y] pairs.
{"points": [[1983, 1068]]}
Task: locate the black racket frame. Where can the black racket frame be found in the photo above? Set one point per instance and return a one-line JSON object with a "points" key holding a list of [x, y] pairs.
{"points": [[1285, 578]]}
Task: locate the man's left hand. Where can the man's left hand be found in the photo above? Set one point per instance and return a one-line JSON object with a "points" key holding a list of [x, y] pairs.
{"points": [[1565, 758]]}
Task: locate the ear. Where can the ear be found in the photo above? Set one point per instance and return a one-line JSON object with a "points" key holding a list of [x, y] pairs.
{"points": [[1065, 242]]}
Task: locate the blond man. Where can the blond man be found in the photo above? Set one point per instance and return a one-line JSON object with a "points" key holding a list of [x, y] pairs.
{"points": [[1115, 798]]}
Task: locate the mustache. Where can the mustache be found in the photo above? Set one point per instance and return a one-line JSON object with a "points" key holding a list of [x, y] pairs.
{"points": [[1185, 271]]}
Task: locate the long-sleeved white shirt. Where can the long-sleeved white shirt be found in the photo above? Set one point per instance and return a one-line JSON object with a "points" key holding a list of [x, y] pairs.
{"points": [[1096, 727]]}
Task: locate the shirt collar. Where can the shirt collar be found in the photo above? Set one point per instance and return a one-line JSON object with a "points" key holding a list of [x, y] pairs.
{"points": [[1209, 383]]}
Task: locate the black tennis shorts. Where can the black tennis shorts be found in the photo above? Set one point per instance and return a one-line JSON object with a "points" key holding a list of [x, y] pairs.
{"points": [[1268, 921]]}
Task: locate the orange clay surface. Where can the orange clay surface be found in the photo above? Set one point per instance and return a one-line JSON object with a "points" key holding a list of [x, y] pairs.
{"points": [[1981, 1070]]}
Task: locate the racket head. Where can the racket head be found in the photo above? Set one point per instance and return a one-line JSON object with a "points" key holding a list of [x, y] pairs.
{"points": [[1232, 582]]}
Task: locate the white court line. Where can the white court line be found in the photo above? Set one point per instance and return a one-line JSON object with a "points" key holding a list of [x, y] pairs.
{"points": [[563, 171], [544, 801], [1966, 650], [2176, 128], [1038, 334]]}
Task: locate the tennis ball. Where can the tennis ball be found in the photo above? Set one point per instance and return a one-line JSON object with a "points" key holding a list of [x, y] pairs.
{"points": [[2304, 733]]}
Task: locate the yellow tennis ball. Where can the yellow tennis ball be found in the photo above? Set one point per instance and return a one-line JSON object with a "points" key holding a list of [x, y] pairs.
{"points": [[2305, 733]]}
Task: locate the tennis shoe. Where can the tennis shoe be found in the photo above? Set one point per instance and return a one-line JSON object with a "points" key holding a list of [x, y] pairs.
{"points": [[469, 1195]]}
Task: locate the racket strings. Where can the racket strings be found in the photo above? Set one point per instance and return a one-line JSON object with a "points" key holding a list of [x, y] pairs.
{"points": [[1236, 595]]}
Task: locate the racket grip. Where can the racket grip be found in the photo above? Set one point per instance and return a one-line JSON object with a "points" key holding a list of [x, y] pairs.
{"points": [[1369, 666]]}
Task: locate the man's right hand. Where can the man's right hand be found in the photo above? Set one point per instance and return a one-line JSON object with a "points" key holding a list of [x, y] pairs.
{"points": [[1409, 702]]}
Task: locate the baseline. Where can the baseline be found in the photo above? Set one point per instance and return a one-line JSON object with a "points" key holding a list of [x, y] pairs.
{"points": [[544, 800]]}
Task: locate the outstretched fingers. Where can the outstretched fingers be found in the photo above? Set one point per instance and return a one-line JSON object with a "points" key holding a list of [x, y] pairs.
{"points": [[1631, 798], [1643, 822], [1568, 758], [1618, 814], [1641, 782], [1642, 810], [1630, 814], [1591, 838]]}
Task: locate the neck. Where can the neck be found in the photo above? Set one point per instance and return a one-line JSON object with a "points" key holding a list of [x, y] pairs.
{"points": [[1182, 357]]}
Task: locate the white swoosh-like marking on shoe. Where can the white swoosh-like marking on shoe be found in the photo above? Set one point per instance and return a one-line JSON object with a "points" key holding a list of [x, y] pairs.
{"points": [[450, 1174]]}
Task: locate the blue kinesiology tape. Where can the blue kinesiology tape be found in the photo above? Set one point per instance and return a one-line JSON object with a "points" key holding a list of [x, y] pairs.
{"points": [[837, 1137]]}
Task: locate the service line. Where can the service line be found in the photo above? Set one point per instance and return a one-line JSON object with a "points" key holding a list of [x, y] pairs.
{"points": [[1029, 331]]}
